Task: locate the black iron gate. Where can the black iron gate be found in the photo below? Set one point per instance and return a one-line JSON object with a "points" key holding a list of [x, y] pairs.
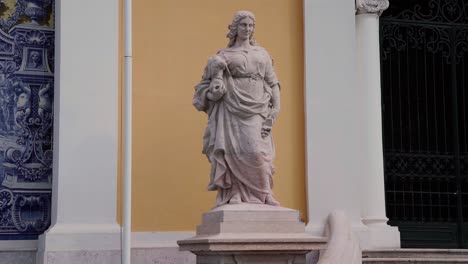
{"points": [[424, 60]]}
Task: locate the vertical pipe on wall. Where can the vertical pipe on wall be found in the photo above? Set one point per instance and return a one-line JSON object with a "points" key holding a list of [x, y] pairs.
{"points": [[127, 185]]}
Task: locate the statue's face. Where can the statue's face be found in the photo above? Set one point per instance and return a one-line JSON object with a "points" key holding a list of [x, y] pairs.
{"points": [[245, 28]]}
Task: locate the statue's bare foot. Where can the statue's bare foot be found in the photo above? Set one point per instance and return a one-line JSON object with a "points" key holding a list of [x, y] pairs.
{"points": [[271, 201], [236, 199]]}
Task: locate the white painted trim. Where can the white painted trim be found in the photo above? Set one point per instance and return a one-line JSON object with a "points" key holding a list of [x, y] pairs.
{"points": [[334, 163], [84, 228], [140, 240], [18, 245], [87, 238], [380, 235], [84, 199], [127, 135], [86, 113], [158, 239]]}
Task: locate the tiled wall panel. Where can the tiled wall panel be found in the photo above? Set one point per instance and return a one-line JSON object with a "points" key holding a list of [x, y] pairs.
{"points": [[26, 116]]}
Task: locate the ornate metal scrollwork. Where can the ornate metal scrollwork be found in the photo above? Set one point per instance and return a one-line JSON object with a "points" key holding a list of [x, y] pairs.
{"points": [[438, 11], [402, 36], [424, 45], [419, 165]]}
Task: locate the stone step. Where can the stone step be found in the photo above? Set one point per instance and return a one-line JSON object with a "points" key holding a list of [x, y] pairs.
{"points": [[413, 261], [415, 256], [417, 253]]}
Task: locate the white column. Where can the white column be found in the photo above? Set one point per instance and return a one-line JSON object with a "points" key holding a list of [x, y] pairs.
{"points": [[333, 132], [84, 228], [380, 235]]}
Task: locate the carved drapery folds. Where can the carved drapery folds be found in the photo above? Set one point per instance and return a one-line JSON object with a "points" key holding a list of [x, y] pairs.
{"points": [[371, 6]]}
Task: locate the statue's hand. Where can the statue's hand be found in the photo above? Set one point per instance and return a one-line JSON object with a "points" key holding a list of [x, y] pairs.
{"points": [[216, 90], [274, 112], [266, 127]]}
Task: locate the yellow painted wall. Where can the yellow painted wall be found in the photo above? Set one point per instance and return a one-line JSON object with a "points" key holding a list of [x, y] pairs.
{"points": [[172, 41]]}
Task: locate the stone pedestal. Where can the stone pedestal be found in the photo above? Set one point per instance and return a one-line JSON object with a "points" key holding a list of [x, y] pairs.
{"points": [[251, 233]]}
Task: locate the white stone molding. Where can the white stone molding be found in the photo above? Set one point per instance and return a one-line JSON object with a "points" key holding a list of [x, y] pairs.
{"points": [[252, 233], [371, 6], [152, 247], [18, 245], [333, 120], [158, 239], [18, 251], [343, 132], [379, 235], [85, 135]]}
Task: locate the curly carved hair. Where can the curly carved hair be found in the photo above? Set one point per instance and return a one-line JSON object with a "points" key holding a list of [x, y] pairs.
{"points": [[232, 34]]}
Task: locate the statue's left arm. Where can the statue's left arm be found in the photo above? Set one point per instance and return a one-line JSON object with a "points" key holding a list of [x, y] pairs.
{"points": [[275, 102], [272, 80]]}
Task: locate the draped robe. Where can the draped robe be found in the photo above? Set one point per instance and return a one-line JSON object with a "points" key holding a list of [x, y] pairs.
{"points": [[241, 159]]}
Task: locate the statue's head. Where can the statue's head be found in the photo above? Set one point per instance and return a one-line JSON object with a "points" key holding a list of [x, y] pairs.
{"points": [[239, 17]]}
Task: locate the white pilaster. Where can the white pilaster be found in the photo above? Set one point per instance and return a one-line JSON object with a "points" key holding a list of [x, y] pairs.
{"points": [[85, 135], [333, 131], [380, 235]]}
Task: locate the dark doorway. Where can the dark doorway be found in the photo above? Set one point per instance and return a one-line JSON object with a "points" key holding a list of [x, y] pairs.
{"points": [[424, 58]]}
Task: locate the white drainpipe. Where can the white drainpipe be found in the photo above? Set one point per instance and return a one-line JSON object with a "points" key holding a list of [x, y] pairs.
{"points": [[127, 144]]}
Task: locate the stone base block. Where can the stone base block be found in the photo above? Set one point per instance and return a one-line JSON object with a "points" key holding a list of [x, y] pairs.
{"points": [[76, 244], [250, 218], [170, 255], [242, 258], [18, 257], [253, 248], [380, 235], [81, 256], [251, 234]]}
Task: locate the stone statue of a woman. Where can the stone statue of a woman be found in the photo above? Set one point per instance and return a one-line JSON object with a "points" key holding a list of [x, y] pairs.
{"points": [[240, 93]]}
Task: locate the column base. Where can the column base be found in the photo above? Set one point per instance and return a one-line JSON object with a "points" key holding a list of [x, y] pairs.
{"points": [[76, 244], [372, 233], [380, 235]]}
